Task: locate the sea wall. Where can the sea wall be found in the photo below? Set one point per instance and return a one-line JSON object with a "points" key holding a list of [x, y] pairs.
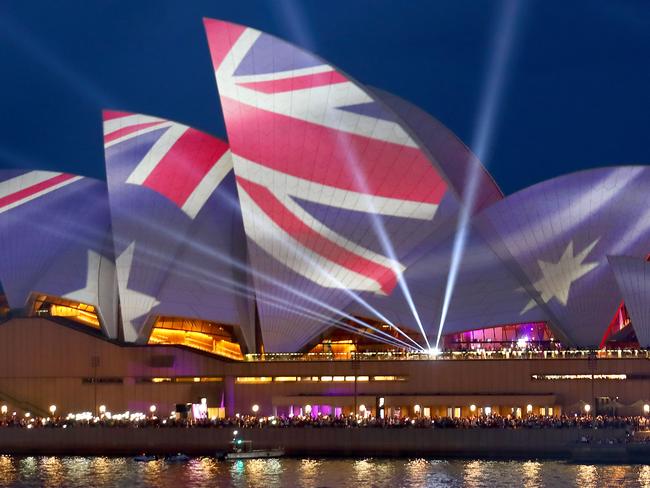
{"points": [[487, 443]]}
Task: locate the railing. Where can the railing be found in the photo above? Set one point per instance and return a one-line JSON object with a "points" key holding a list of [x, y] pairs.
{"points": [[453, 355]]}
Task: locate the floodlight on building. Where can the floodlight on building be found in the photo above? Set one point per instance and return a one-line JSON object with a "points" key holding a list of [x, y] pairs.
{"points": [[255, 408]]}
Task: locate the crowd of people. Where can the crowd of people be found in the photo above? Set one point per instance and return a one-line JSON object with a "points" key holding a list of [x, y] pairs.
{"points": [[343, 421]]}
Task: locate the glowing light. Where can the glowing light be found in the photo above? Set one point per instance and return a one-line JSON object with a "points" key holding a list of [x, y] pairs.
{"points": [[587, 408], [102, 409], [362, 408], [646, 409], [52, 409], [529, 408], [433, 351], [152, 409], [416, 409], [235, 432], [3, 409], [255, 408], [472, 408], [522, 342], [27, 414], [488, 410], [307, 409], [500, 55]]}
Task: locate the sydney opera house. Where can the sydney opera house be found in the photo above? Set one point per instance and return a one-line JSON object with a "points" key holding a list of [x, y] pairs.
{"points": [[343, 249]]}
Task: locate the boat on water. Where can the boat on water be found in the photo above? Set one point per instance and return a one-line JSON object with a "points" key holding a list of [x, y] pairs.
{"points": [[177, 458], [145, 458], [241, 449]]}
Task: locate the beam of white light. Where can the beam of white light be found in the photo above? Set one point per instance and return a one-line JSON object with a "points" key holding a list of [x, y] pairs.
{"points": [[195, 246], [384, 239], [345, 289], [501, 52]]}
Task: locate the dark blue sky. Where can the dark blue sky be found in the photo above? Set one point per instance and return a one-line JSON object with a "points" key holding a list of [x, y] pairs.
{"points": [[576, 92]]}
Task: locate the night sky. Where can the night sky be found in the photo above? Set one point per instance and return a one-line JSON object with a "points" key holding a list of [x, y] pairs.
{"points": [[575, 92]]}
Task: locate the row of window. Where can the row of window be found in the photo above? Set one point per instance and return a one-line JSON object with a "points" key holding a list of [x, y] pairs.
{"points": [[256, 380], [559, 377]]}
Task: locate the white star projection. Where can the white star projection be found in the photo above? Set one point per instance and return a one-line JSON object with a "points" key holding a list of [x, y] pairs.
{"points": [[90, 293], [134, 303], [557, 278]]}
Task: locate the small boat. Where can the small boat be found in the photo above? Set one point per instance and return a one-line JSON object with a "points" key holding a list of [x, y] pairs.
{"points": [[177, 458], [145, 458], [241, 449]]}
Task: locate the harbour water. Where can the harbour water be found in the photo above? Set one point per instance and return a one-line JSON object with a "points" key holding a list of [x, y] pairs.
{"points": [[101, 472]]}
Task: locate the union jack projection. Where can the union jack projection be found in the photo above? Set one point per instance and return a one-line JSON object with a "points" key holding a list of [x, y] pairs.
{"points": [[167, 184], [312, 149]]}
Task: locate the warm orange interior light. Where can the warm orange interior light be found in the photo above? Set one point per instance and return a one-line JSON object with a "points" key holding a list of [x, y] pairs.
{"points": [[196, 340]]}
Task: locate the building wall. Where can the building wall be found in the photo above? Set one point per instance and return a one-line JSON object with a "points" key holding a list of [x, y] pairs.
{"points": [[44, 363]]}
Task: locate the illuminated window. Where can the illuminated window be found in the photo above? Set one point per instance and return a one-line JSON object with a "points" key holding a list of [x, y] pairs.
{"points": [[362, 378], [456, 412], [253, 380], [81, 313], [198, 334], [285, 379], [340, 378], [326, 378], [569, 377], [388, 378]]}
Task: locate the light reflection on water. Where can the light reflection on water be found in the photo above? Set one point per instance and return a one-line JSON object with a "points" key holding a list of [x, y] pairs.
{"points": [[99, 472]]}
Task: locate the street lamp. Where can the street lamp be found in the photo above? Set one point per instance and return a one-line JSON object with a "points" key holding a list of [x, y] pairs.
{"points": [[472, 408], [52, 409], [587, 408], [152, 409], [255, 408]]}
